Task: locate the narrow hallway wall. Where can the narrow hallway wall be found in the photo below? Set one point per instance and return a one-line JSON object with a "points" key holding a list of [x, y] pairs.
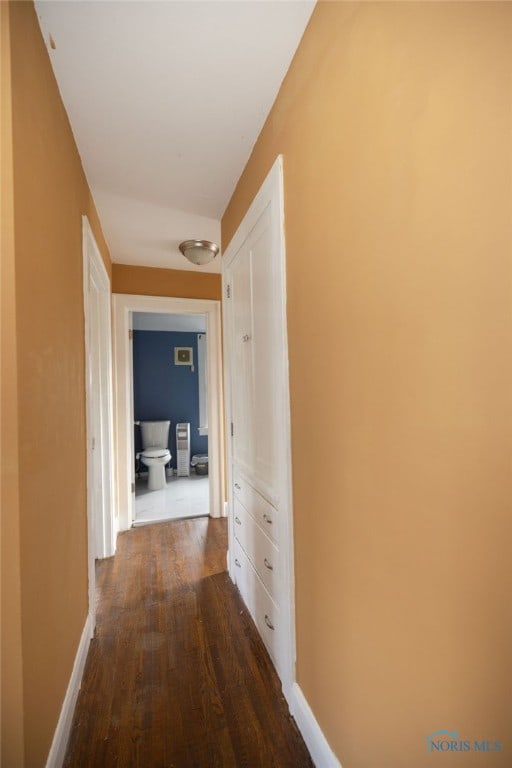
{"points": [[50, 196], [11, 731], [395, 122], [178, 283]]}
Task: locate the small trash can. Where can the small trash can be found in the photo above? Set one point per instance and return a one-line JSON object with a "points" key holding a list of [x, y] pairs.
{"points": [[200, 463]]}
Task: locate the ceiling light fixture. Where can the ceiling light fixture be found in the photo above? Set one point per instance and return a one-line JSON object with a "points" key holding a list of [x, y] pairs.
{"points": [[199, 251]]}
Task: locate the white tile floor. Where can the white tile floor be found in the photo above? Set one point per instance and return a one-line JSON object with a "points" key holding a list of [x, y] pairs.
{"points": [[182, 497]]}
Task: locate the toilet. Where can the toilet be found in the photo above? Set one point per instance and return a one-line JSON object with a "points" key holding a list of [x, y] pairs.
{"points": [[155, 454]]}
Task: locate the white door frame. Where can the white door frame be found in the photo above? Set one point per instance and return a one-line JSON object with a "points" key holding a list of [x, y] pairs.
{"points": [[271, 194], [123, 307], [100, 521]]}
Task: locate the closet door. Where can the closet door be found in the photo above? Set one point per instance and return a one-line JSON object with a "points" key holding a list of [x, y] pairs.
{"points": [[266, 352], [256, 332], [241, 364]]}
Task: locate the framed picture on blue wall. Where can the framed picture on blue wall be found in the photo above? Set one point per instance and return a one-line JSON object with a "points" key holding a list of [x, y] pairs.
{"points": [[183, 356]]}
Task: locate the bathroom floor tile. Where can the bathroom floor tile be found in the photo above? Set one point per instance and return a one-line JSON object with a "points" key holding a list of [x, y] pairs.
{"points": [[182, 497]]}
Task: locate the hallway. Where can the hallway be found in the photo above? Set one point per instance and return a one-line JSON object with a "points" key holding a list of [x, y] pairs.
{"points": [[177, 675]]}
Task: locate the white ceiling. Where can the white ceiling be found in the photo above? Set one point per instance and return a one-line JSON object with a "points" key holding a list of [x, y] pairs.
{"points": [[166, 100], [154, 321]]}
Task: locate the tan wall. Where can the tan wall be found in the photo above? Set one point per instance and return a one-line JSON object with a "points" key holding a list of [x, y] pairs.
{"points": [[50, 197], [395, 125], [11, 734], [178, 283]]}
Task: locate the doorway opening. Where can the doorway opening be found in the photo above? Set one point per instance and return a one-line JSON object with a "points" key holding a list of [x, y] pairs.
{"points": [[170, 415], [134, 317]]}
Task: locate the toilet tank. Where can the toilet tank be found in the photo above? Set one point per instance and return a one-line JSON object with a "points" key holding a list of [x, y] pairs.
{"points": [[155, 434]]}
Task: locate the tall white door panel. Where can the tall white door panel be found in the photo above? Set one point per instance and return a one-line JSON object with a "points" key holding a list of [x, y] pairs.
{"points": [[256, 332], [242, 389], [266, 351]]}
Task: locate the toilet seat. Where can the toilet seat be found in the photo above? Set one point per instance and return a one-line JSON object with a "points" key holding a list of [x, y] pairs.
{"points": [[156, 453]]}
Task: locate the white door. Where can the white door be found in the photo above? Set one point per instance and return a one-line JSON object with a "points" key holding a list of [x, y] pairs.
{"points": [[256, 334], [241, 346], [100, 507], [96, 488], [268, 349]]}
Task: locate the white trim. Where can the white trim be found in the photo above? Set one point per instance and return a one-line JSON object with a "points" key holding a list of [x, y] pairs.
{"points": [[202, 375], [270, 194], [319, 749], [275, 181], [62, 731], [123, 307]]}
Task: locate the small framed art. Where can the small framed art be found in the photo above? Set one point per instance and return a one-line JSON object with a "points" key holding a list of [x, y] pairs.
{"points": [[183, 356]]}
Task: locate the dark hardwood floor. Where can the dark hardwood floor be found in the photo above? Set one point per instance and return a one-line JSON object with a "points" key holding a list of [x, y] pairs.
{"points": [[177, 675]]}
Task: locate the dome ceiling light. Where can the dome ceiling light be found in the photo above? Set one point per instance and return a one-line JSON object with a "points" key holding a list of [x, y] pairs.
{"points": [[199, 251]]}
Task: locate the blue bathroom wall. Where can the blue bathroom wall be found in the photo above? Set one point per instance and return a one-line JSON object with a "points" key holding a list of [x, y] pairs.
{"points": [[162, 390]]}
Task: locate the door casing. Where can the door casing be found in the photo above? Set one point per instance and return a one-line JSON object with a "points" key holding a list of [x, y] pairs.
{"points": [[123, 307]]}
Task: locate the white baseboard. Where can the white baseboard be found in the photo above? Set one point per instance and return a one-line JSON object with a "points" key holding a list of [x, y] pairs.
{"points": [[319, 749], [61, 736], [226, 509]]}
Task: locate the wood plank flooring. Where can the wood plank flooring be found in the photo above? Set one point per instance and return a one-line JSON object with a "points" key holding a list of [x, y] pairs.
{"points": [[177, 675]]}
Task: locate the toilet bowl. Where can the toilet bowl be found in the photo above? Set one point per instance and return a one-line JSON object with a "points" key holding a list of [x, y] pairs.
{"points": [[155, 454], [155, 460]]}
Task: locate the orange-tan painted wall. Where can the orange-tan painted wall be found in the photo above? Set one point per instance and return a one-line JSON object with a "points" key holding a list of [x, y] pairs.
{"points": [[11, 729], [395, 122], [50, 197], [178, 283]]}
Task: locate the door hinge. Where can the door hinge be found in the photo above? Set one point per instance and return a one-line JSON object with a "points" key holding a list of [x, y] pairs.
{"points": [[93, 443], [228, 291], [133, 487], [232, 430], [130, 334]]}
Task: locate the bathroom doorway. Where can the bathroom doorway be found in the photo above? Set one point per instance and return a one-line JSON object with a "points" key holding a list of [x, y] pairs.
{"points": [[135, 315], [170, 395]]}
